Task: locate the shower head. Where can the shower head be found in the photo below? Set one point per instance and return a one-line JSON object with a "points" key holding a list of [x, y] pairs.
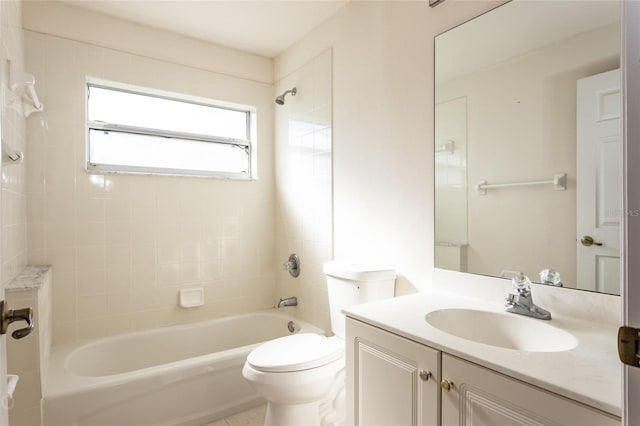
{"points": [[280, 99]]}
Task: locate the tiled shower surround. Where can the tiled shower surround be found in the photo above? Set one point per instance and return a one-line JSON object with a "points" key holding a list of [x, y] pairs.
{"points": [[123, 245], [303, 185]]}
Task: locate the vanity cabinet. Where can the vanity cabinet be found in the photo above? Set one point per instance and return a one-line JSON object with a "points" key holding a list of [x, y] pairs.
{"points": [[390, 380], [481, 397]]}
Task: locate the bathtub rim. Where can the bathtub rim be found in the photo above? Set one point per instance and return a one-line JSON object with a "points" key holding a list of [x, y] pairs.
{"points": [[61, 382]]}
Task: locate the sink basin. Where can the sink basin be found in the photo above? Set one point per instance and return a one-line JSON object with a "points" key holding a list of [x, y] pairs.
{"points": [[504, 330]]}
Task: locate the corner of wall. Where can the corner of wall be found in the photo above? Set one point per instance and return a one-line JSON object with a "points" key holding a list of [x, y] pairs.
{"points": [[14, 186]]}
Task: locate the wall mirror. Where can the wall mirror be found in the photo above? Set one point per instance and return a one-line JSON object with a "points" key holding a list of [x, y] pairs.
{"points": [[527, 144]]}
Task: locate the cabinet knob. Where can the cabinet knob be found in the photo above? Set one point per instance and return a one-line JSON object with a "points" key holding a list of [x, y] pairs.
{"points": [[446, 385], [424, 375]]}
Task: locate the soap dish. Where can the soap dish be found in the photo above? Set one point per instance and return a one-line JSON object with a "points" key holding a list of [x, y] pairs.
{"points": [[191, 297]]}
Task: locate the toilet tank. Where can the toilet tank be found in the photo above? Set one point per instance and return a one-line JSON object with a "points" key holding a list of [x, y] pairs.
{"points": [[351, 284]]}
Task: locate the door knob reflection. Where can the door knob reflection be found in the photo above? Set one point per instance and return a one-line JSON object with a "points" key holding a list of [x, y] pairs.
{"points": [[588, 241]]}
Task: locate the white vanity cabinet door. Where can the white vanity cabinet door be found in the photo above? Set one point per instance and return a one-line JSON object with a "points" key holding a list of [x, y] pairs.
{"points": [[390, 380], [482, 397]]}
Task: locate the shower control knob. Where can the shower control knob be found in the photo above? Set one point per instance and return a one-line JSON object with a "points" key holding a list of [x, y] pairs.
{"points": [[292, 265], [425, 375]]}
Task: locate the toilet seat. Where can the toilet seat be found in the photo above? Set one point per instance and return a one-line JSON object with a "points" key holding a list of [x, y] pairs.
{"points": [[295, 353]]}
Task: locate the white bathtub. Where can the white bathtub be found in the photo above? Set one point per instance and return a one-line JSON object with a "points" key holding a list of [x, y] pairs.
{"points": [[180, 375]]}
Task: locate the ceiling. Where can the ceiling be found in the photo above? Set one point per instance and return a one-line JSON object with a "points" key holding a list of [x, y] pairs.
{"points": [[530, 26], [263, 27]]}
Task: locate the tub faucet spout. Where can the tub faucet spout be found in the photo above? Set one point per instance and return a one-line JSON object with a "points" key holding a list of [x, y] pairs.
{"points": [[289, 301]]}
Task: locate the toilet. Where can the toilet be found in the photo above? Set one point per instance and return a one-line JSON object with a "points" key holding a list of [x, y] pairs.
{"points": [[302, 375]]}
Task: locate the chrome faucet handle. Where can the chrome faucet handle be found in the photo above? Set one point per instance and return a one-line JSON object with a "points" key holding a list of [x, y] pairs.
{"points": [[520, 300], [522, 283], [551, 277]]}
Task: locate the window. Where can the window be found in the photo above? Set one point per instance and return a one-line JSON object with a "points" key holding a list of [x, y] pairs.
{"points": [[143, 131]]}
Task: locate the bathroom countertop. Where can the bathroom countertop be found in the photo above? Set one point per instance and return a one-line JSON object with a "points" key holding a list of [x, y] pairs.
{"points": [[589, 373]]}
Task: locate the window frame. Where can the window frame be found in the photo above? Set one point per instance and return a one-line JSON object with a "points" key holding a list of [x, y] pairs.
{"points": [[247, 144]]}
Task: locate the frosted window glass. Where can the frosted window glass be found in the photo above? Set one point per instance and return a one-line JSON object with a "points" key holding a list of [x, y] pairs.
{"points": [[146, 133], [152, 112], [165, 154]]}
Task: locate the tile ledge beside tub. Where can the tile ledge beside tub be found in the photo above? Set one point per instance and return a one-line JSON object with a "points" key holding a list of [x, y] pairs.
{"points": [[31, 278], [28, 358]]}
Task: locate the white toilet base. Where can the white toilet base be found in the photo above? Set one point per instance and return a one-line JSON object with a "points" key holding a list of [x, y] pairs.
{"points": [[292, 415], [301, 398]]}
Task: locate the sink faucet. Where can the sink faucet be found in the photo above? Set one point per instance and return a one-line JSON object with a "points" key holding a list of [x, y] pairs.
{"points": [[520, 300], [289, 301]]}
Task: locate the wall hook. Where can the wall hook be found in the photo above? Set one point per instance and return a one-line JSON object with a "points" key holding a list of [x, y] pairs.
{"points": [[18, 78]]}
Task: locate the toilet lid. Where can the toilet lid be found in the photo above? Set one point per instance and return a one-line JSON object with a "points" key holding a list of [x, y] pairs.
{"points": [[295, 353]]}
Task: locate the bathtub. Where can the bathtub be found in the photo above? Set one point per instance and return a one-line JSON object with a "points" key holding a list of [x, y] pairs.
{"points": [[179, 375]]}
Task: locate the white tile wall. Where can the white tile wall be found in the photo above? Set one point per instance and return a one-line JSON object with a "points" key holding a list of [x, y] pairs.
{"points": [[304, 186], [14, 199], [123, 245]]}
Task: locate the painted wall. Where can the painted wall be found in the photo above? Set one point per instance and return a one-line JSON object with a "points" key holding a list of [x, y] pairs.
{"points": [[383, 128], [123, 245], [14, 183], [303, 186]]}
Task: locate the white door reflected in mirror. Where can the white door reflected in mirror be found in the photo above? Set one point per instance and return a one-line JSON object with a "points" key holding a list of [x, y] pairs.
{"points": [[598, 182]]}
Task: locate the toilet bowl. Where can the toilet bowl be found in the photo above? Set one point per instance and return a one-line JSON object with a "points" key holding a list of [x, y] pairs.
{"points": [[297, 374], [302, 375]]}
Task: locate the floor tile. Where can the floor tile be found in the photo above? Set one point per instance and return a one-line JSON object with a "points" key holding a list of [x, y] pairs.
{"points": [[253, 417]]}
